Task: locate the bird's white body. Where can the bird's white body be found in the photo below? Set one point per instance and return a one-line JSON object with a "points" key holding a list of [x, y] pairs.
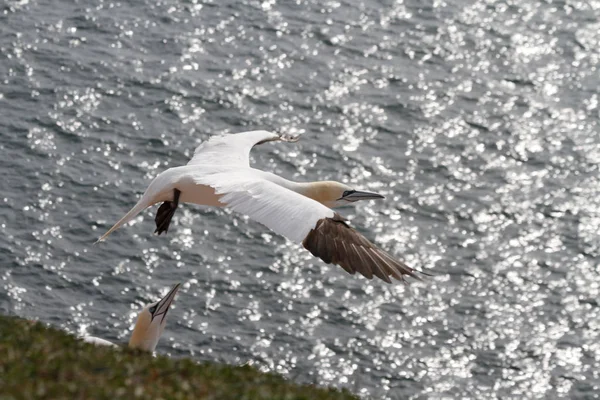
{"points": [[98, 341], [219, 174]]}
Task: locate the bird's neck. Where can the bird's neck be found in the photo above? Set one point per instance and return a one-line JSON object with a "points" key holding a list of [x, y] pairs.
{"points": [[321, 191], [318, 191], [140, 338], [137, 339]]}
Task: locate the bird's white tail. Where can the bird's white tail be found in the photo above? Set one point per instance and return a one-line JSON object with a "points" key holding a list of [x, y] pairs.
{"points": [[139, 207]]}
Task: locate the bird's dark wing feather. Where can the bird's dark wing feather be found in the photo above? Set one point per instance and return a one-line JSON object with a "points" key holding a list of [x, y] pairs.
{"points": [[333, 241]]}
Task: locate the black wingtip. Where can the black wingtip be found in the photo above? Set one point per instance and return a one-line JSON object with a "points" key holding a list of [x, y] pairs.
{"points": [[425, 273]]}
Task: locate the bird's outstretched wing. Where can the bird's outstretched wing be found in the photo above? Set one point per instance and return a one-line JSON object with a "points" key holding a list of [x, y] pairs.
{"points": [[286, 212], [218, 153], [334, 241], [303, 220], [232, 149]]}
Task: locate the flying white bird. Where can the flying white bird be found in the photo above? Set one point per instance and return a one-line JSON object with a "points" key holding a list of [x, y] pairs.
{"points": [[219, 174], [149, 326]]}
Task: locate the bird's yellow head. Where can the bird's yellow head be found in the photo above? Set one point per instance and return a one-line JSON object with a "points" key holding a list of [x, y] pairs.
{"points": [[151, 323], [335, 194]]}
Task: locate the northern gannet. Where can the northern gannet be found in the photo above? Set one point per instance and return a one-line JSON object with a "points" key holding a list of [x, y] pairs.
{"points": [[149, 326], [219, 174]]}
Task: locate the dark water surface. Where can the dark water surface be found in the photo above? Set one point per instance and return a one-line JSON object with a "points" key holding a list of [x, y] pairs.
{"points": [[479, 121]]}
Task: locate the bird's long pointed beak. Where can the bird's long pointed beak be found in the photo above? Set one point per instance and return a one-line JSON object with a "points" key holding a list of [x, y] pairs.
{"points": [[165, 302], [360, 195]]}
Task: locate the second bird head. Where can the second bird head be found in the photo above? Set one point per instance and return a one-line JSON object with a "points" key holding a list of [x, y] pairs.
{"points": [[151, 322]]}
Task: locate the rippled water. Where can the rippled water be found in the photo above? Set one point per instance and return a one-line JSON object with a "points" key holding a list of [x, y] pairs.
{"points": [[478, 121]]}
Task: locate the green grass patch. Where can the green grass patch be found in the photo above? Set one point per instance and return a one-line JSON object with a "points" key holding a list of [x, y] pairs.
{"points": [[37, 361]]}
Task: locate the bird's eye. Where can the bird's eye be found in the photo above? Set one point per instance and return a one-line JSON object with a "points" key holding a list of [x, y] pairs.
{"points": [[152, 309], [348, 193]]}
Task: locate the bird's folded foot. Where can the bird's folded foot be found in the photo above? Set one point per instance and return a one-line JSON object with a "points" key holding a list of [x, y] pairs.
{"points": [[165, 213]]}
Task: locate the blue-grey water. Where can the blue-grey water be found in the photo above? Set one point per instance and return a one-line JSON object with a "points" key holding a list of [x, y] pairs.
{"points": [[478, 120]]}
